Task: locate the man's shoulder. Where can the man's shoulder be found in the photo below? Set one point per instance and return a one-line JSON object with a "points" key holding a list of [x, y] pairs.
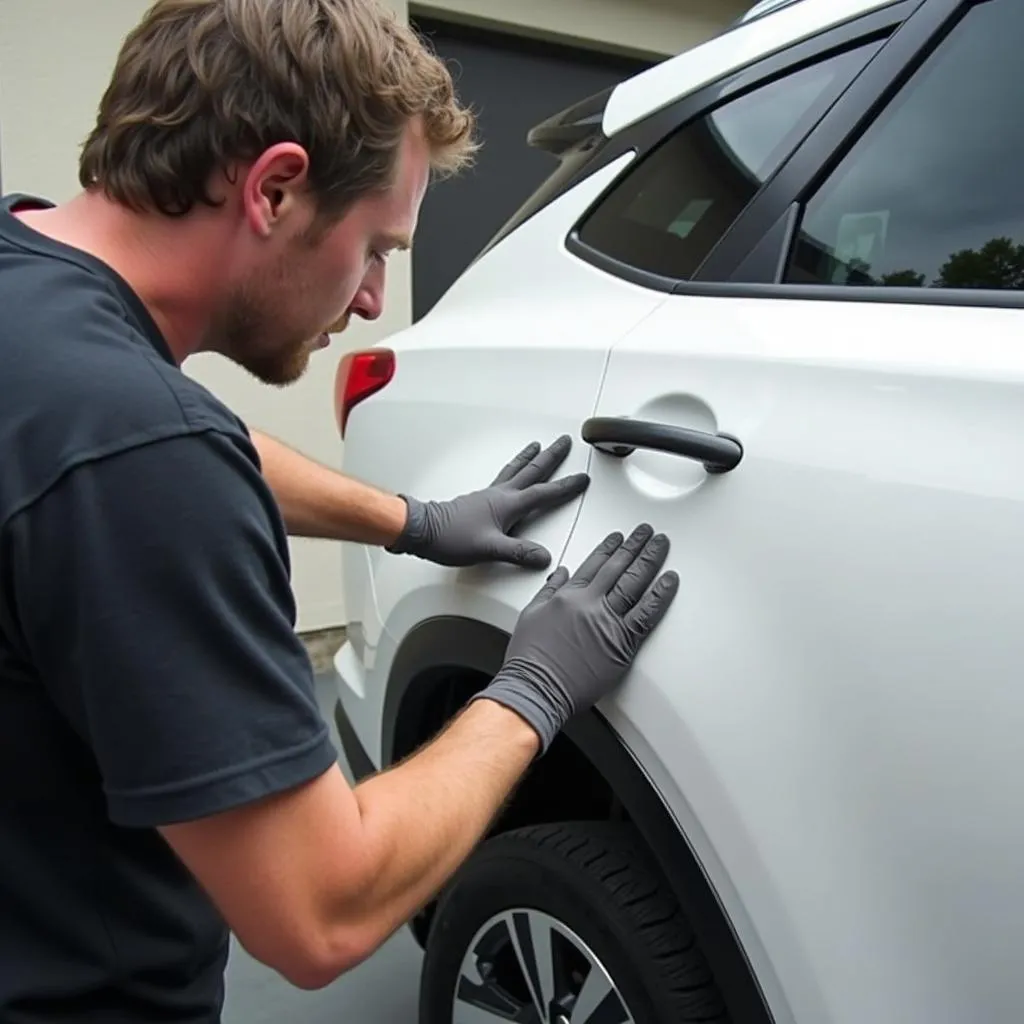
{"points": [[80, 380]]}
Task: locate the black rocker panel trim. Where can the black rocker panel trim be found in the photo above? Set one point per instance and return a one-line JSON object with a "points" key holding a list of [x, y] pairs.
{"points": [[355, 753], [451, 644]]}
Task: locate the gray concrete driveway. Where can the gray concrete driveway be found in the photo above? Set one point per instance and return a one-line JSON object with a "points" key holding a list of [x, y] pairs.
{"points": [[382, 991]]}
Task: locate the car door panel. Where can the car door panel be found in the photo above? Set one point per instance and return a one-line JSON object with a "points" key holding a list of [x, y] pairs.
{"points": [[832, 708], [844, 632]]}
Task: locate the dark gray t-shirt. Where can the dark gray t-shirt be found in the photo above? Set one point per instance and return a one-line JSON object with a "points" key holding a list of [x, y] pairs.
{"points": [[149, 667]]}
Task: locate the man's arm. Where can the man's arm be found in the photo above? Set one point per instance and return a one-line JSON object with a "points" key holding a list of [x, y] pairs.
{"points": [[312, 882], [468, 530], [315, 880], [319, 502]]}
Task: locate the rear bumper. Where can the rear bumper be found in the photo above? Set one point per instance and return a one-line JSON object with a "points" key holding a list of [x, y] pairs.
{"points": [[354, 718], [355, 753]]}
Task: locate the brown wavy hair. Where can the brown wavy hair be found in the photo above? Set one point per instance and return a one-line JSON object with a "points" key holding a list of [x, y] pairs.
{"points": [[202, 85]]}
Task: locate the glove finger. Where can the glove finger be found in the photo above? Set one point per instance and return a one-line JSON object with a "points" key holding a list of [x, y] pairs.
{"points": [[592, 564], [554, 583], [651, 608], [543, 466], [522, 553], [520, 462], [633, 583], [545, 497], [611, 572]]}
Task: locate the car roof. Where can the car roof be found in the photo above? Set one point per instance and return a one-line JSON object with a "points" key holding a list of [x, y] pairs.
{"points": [[767, 27]]}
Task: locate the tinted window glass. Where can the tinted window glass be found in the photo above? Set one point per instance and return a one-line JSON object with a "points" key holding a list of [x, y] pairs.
{"points": [[932, 195], [666, 215]]}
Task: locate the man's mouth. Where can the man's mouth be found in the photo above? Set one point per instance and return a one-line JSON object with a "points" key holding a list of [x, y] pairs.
{"points": [[323, 340]]}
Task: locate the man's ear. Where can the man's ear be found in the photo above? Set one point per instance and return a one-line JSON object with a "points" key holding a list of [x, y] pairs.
{"points": [[274, 187]]}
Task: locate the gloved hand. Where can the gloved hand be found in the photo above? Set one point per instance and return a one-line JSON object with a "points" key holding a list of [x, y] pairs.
{"points": [[576, 640], [475, 528]]}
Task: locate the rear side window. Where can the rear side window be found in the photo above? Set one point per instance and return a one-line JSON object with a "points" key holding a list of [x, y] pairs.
{"points": [[932, 195], [666, 215]]}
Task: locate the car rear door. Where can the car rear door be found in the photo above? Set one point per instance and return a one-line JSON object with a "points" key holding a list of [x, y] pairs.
{"points": [[827, 418]]}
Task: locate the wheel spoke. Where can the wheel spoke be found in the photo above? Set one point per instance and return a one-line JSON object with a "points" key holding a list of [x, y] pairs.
{"points": [[598, 1001], [519, 932], [594, 990], [543, 956]]}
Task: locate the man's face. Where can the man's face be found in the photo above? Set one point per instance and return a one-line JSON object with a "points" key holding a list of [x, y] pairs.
{"points": [[297, 285]]}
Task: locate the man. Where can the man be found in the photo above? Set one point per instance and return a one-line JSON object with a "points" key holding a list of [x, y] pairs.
{"points": [[165, 775]]}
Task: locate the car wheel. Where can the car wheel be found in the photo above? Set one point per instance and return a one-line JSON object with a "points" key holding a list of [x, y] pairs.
{"points": [[564, 924]]}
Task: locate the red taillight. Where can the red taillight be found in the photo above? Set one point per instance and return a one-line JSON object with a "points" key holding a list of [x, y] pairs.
{"points": [[360, 374]]}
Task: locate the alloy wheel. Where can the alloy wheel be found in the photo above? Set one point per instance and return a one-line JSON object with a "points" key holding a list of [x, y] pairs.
{"points": [[526, 967]]}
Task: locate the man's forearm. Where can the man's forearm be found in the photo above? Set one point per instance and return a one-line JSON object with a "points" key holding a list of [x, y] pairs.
{"points": [[422, 819], [320, 502]]}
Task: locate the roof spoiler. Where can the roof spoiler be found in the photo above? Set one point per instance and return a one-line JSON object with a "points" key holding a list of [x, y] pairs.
{"points": [[573, 136], [572, 126]]}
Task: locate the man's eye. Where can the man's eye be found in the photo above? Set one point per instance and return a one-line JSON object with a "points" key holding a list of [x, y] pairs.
{"points": [[379, 257]]}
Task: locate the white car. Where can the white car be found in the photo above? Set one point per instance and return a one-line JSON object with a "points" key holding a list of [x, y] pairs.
{"points": [[774, 290]]}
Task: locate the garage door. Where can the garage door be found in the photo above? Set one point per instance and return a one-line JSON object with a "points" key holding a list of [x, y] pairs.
{"points": [[512, 83]]}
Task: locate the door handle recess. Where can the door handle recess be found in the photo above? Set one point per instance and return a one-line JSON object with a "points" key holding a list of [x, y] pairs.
{"points": [[621, 436]]}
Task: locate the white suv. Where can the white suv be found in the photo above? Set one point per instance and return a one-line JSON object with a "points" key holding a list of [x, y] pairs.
{"points": [[775, 291]]}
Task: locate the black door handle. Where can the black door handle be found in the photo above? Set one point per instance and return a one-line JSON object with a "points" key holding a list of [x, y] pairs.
{"points": [[621, 436]]}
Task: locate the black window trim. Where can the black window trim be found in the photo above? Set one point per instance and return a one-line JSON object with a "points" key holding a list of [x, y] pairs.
{"points": [[641, 138], [730, 271]]}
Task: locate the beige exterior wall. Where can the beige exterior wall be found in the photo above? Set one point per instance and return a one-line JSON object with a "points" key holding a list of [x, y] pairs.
{"points": [[55, 58]]}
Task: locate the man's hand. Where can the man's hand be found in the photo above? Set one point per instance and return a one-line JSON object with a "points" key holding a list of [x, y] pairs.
{"points": [[476, 528], [579, 636]]}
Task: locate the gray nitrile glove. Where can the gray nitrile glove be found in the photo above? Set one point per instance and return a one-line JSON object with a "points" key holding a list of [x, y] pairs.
{"points": [[576, 640], [475, 528]]}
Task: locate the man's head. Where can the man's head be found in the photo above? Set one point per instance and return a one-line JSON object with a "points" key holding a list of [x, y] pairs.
{"points": [[301, 133]]}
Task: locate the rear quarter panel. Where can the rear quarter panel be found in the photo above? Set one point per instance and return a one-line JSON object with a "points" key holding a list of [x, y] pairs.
{"points": [[515, 352]]}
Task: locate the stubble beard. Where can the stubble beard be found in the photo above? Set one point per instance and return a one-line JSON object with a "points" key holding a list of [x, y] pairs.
{"points": [[251, 332]]}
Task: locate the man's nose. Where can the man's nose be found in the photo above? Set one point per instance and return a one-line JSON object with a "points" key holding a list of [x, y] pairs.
{"points": [[369, 300], [367, 306]]}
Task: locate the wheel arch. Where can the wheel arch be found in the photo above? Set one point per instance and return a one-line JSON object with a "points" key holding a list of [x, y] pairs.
{"points": [[443, 660]]}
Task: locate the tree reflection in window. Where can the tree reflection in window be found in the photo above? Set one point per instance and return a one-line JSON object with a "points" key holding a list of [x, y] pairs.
{"points": [[997, 265]]}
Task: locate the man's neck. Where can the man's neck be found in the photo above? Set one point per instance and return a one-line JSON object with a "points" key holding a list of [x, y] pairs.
{"points": [[159, 260]]}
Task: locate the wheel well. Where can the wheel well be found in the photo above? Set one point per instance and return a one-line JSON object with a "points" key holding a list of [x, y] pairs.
{"points": [[587, 774], [561, 786]]}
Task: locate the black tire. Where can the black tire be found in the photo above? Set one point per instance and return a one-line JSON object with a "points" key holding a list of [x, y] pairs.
{"points": [[599, 881]]}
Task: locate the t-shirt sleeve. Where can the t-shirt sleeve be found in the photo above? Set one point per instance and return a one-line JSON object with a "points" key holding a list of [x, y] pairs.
{"points": [[152, 594]]}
